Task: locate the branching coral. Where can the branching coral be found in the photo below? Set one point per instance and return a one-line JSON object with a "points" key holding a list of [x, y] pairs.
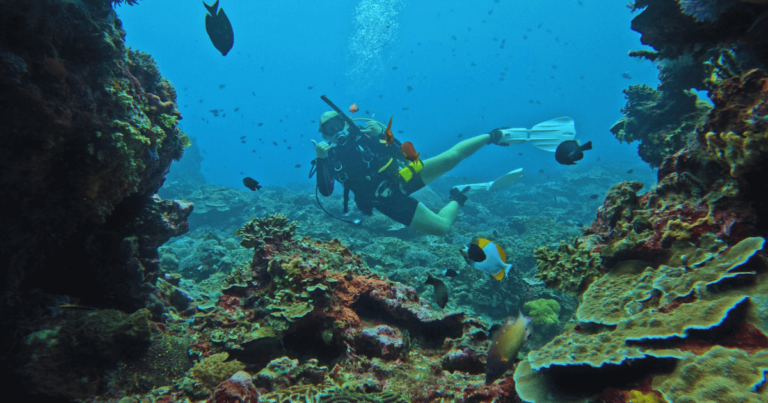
{"points": [[274, 228]]}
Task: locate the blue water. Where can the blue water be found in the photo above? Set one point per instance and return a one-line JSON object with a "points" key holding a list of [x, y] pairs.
{"points": [[282, 48]]}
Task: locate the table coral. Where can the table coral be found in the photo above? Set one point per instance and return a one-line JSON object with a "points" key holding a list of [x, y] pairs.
{"points": [[632, 314]]}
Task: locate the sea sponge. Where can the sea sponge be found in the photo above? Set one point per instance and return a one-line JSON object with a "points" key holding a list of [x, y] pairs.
{"points": [[213, 370]]}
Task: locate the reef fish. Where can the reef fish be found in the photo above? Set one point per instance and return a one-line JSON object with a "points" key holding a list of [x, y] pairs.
{"points": [[354, 108], [450, 273], [388, 137], [409, 152], [569, 151], [441, 290], [251, 183], [219, 28], [505, 345], [487, 256]]}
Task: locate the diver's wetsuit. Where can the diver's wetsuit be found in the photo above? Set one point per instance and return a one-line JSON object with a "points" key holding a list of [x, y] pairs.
{"points": [[370, 170]]}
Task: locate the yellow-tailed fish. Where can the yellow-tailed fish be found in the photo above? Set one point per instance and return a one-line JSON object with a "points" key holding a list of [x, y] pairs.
{"points": [[487, 256], [505, 345]]}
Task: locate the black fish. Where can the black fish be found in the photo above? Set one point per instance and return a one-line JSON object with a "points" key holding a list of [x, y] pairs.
{"points": [[593, 197], [274, 142], [298, 165], [242, 137], [441, 290], [630, 171], [495, 233], [450, 273], [219, 28], [251, 183], [569, 151]]}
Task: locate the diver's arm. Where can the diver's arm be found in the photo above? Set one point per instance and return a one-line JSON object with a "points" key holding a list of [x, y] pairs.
{"points": [[324, 177]]}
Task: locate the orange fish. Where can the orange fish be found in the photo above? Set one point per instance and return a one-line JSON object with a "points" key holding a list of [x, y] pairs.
{"points": [[388, 137], [353, 108], [408, 151]]}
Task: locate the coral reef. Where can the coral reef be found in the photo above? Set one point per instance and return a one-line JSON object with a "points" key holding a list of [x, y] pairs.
{"points": [[572, 268], [671, 313], [81, 142], [213, 369]]}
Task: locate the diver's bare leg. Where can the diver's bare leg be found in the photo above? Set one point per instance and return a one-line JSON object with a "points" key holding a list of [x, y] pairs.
{"points": [[435, 167], [426, 221]]}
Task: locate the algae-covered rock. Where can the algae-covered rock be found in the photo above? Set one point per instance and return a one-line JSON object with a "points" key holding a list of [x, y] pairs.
{"points": [[572, 268], [69, 361], [215, 369]]}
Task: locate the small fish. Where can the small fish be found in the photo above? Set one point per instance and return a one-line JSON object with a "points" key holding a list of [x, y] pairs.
{"points": [[400, 131], [405, 108], [569, 151], [541, 171], [409, 152], [495, 233], [237, 109], [381, 95], [393, 68], [388, 137], [309, 88], [274, 142], [354, 108], [485, 255], [298, 165], [505, 345], [410, 88], [259, 124], [450, 273], [593, 197], [441, 290], [251, 183], [626, 75], [630, 171], [520, 154], [71, 307], [219, 29], [242, 137], [460, 135], [221, 86]]}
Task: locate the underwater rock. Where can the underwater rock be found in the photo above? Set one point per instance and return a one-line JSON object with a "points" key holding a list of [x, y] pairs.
{"points": [[237, 389], [69, 360]]}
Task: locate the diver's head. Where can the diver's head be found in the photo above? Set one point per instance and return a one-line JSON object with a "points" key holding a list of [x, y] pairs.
{"points": [[332, 126]]}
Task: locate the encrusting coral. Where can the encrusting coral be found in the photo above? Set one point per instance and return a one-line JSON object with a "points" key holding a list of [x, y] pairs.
{"points": [[215, 368]]}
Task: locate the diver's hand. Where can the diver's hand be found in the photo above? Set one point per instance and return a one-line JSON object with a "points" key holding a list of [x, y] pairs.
{"points": [[373, 129], [321, 149]]}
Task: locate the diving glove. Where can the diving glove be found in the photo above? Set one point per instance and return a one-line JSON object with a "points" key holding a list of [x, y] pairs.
{"points": [[496, 136], [459, 196]]}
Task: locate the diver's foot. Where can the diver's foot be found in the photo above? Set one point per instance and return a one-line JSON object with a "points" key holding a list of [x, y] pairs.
{"points": [[497, 137], [459, 196]]}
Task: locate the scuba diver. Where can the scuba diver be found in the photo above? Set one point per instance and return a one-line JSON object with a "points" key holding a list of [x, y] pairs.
{"points": [[381, 177]]}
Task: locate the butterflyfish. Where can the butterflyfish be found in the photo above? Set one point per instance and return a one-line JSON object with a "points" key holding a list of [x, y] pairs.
{"points": [[487, 256]]}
